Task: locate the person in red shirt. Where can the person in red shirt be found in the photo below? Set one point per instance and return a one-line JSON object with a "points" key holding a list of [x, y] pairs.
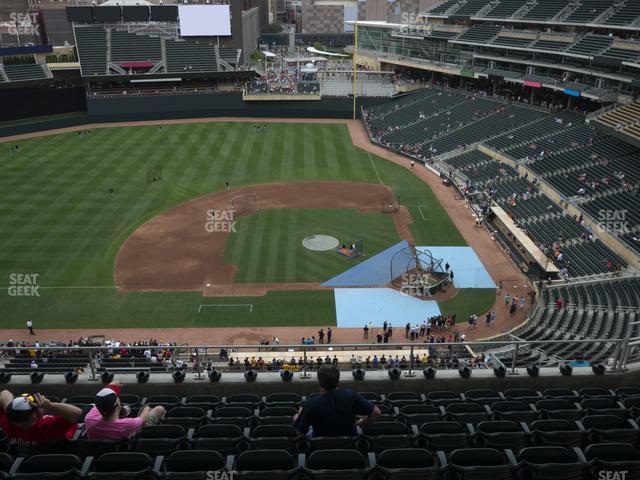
{"points": [[32, 420]]}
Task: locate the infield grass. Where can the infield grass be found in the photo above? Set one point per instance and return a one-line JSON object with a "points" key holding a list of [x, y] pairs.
{"points": [[267, 247], [59, 220]]}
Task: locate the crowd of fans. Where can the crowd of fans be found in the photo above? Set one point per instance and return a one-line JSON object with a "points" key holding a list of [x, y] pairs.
{"points": [[437, 357]]}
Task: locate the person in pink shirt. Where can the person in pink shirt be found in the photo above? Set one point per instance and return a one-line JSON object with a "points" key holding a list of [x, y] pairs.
{"points": [[103, 421]]}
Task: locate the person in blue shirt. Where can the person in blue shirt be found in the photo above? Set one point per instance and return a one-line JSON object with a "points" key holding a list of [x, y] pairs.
{"points": [[333, 411]]}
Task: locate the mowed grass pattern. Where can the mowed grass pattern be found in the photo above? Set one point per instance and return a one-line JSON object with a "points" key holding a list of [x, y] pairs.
{"points": [[267, 247], [59, 220]]}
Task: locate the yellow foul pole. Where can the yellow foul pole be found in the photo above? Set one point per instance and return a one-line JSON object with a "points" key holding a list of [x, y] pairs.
{"points": [[355, 71]]}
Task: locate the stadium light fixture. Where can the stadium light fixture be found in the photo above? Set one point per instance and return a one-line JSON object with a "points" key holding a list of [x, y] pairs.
{"points": [[533, 370], [215, 375], [499, 371], [36, 377], [429, 373], [394, 373], [106, 377], [464, 371], [565, 369], [70, 377], [250, 376], [358, 374], [142, 376], [178, 376], [598, 368], [286, 375]]}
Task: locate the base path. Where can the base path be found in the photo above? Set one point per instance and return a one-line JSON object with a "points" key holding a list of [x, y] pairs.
{"points": [[175, 251]]}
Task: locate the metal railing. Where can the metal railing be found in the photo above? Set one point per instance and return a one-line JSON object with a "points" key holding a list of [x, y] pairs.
{"points": [[599, 112], [198, 355]]}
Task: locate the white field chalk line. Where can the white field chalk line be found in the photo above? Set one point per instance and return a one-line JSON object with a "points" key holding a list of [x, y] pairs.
{"points": [[374, 167], [422, 214], [250, 305]]}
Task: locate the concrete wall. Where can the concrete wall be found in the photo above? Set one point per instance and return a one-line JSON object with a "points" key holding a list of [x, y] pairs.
{"points": [[317, 18], [250, 32]]}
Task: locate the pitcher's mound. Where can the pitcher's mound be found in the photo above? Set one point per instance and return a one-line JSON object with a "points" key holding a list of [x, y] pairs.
{"points": [[320, 243]]}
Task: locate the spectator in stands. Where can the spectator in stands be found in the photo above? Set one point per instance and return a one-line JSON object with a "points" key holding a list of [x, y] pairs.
{"points": [[107, 420], [334, 411], [30, 420]]}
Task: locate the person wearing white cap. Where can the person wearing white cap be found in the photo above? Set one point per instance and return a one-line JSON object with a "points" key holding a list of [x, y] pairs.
{"points": [[104, 422], [32, 419]]}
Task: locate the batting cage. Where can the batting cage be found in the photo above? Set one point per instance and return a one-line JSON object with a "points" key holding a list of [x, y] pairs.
{"points": [[417, 272], [245, 204]]}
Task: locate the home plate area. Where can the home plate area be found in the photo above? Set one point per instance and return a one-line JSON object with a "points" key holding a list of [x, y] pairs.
{"points": [[357, 305]]}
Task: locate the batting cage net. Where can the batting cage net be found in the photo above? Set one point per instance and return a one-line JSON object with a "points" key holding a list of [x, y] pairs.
{"points": [[245, 204], [417, 272]]}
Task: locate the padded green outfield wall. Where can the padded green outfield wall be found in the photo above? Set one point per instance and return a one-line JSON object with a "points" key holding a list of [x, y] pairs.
{"points": [[122, 109], [222, 105]]}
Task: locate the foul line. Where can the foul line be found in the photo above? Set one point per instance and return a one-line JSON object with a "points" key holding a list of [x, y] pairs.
{"points": [[374, 167], [250, 305], [421, 214]]}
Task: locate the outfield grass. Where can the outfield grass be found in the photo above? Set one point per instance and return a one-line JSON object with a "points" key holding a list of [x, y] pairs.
{"points": [[59, 220], [267, 247], [101, 308]]}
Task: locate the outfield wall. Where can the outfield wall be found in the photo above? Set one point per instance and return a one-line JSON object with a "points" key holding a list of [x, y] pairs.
{"points": [[19, 104], [222, 105], [123, 109]]}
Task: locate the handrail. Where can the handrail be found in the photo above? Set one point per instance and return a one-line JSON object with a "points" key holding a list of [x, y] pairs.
{"points": [[231, 348], [601, 111]]}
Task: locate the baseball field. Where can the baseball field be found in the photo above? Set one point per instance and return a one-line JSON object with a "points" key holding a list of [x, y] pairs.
{"points": [[70, 202]]}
